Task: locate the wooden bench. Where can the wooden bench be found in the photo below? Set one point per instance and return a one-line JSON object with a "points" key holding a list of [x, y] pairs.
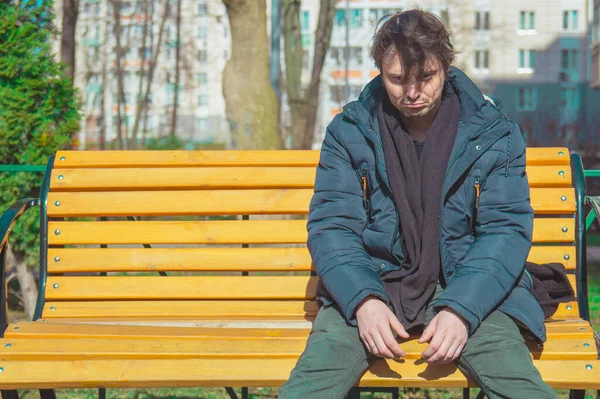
{"points": [[174, 268]]}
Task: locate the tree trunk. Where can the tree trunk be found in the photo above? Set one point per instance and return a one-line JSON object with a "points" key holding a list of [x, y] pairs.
{"points": [[142, 106], [26, 281], [304, 104], [294, 55], [322, 40], [67, 42], [177, 71], [252, 108], [119, 72]]}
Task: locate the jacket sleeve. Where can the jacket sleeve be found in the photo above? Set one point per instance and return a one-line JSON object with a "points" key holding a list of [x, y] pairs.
{"points": [[336, 221], [503, 233]]}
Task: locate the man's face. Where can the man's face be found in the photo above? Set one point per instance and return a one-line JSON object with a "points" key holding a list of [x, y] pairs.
{"points": [[411, 97]]}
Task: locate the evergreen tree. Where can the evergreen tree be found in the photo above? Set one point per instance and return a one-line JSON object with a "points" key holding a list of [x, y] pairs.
{"points": [[39, 112]]}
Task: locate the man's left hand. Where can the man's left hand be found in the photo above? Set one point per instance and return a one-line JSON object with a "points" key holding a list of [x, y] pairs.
{"points": [[447, 335]]}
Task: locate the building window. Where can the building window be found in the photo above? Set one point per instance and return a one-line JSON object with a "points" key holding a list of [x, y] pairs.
{"points": [[527, 60], [202, 56], [340, 17], [202, 10], [569, 97], [356, 18], [482, 59], [568, 59], [482, 20], [445, 17], [305, 21], [202, 124], [225, 32], [376, 13], [202, 32], [203, 100], [225, 54], [202, 79], [570, 20], [526, 99], [527, 21]]}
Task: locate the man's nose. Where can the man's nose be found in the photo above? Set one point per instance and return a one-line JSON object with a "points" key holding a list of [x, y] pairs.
{"points": [[413, 92]]}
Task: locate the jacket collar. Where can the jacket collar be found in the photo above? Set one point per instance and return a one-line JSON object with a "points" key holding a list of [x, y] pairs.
{"points": [[481, 123]]}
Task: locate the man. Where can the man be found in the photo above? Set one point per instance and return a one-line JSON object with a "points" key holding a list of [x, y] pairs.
{"points": [[421, 217]]}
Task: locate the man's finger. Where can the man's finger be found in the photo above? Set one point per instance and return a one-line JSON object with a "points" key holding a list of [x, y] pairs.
{"points": [[391, 342], [458, 351], [397, 327], [429, 331], [450, 354], [370, 344], [445, 344], [434, 345], [381, 346]]}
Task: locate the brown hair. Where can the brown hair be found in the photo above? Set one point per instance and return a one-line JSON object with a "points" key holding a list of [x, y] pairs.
{"points": [[418, 36]]}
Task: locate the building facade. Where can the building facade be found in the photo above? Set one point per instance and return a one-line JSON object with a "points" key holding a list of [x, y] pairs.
{"points": [[535, 58], [205, 44]]}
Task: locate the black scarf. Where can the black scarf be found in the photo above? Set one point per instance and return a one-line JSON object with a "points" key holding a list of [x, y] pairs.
{"points": [[417, 188]]}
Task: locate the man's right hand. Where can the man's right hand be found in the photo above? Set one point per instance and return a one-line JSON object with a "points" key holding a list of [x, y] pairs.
{"points": [[375, 324]]}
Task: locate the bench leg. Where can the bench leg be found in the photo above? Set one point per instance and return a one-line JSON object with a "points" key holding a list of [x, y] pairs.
{"points": [[47, 394], [102, 393], [353, 394], [577, 394], [9, 394], [466, 393]]}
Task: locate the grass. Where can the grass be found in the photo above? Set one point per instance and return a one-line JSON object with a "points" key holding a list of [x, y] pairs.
{"points": [[271, 393]]}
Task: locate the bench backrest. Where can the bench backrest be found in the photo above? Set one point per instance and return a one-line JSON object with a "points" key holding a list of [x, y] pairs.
{"points": [[192, 253]]}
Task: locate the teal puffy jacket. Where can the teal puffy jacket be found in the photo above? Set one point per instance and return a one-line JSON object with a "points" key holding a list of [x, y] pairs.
{"points": [[354, 235]]}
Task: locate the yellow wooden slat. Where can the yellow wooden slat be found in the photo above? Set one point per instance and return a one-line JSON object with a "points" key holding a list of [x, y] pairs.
{"points": [[233, 202], [143, 159], [181, 287], [67, 260], [140, 159], [233, 232], [60, 330], [549, 176], [129, 348], [554, 230], [156, 203], [553, 200], [202, 178], [566, 310], [56, 329], [182, 178], [560, 254], [193, 309], [212, 232], [547, 156], [576, 374]]}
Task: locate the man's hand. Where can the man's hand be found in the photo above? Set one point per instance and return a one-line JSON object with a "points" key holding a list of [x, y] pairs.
{"points": [[447, 334], [374, 322]]}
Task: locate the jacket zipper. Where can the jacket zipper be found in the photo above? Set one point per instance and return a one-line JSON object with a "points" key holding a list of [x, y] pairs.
{"points": [[364, 187], [476, 207]]}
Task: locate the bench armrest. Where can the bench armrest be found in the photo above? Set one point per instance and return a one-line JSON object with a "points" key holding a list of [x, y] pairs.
{"points": [[7, 221], [11, 215]]}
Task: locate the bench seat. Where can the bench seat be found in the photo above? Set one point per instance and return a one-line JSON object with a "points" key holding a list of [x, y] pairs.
{"points": [[174, 268]]}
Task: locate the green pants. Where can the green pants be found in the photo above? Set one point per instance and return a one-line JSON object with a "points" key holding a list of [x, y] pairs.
{"points": [[335, 358]]}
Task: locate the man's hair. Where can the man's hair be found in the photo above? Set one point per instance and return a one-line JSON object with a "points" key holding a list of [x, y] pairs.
{"points": [[418, 36]]}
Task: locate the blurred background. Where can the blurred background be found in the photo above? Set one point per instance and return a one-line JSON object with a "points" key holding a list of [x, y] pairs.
{"points": [[148, 70]]}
